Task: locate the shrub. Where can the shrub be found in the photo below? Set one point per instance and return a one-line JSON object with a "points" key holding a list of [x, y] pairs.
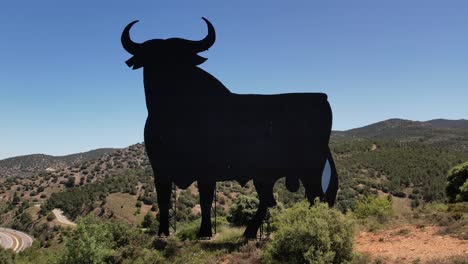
{"points": [[314, 234], [7, 256], [70, 183], [374, 206], [149, 256], [242, 210], [148, 221], [148, 200], [50, 217], [457, 183], [16, 199], [189, 232], [415, 203], [463, 195]]}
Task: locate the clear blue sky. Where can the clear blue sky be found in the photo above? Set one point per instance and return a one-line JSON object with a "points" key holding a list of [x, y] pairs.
{"points": [[64, 86]]}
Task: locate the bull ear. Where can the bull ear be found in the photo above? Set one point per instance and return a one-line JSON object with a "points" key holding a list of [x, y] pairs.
{"points": [[197, 60]]}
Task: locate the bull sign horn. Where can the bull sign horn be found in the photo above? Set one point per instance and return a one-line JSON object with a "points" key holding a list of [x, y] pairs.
{"points": [[130, 46], [208, 41]]}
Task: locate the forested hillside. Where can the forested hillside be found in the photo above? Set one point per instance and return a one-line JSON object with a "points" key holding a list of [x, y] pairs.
{"points": [[411, 169], [452, 134]]}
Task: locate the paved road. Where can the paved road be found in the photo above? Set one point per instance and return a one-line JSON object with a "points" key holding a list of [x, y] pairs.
{"points": [[16, 240], [61, 218]]}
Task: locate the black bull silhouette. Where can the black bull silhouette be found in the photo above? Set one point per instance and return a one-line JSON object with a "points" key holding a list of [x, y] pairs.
{"points": [[197, 130]]}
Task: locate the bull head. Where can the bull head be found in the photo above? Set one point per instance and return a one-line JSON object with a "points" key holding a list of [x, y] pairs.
{"points": [[165, 52]]}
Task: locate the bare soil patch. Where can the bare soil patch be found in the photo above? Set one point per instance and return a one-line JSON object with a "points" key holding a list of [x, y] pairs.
{"points": [[409, 244]]}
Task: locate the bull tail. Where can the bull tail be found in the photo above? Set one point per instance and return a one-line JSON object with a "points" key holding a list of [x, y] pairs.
{"points": [[329, 180]]}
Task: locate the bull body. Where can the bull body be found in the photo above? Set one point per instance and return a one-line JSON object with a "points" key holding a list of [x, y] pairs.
{"points": [[197, 130], [237, 136]]}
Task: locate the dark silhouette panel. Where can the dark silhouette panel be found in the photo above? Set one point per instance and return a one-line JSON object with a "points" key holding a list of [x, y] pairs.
{"points": [[197, 130]]}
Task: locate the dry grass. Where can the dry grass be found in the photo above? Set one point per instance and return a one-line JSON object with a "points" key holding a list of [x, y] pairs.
{"points": [[230, 234], [123, 207]]}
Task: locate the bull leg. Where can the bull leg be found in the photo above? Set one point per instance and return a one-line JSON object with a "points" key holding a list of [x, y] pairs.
{"points": [[310, 194], [312, 185], [206, 190], [163, 189], [254, 224], [265, 195]]}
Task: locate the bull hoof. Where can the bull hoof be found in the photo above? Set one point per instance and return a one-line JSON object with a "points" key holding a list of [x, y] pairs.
{"points": [[163, 232]]}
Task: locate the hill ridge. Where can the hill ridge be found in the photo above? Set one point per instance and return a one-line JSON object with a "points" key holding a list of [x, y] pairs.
{"points": [[444, 133], [26, 165]]}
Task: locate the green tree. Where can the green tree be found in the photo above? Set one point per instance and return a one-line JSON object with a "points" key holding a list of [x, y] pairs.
{"points": [[70, 183], [314, 234], [242, 210], [457, 186], [90, 242], [16, 199], [24, 222]]}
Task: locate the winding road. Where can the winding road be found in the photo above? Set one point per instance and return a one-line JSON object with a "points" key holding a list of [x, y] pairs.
{"points": [[61, 218], [19, 241], [15, 240]]}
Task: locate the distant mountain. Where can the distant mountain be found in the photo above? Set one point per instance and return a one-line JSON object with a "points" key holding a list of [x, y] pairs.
{"points": [[449, 124], [452, 134], [23, 166]]}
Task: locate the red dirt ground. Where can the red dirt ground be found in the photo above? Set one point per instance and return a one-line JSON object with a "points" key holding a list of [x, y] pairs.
{"points": [[409, 244]]}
